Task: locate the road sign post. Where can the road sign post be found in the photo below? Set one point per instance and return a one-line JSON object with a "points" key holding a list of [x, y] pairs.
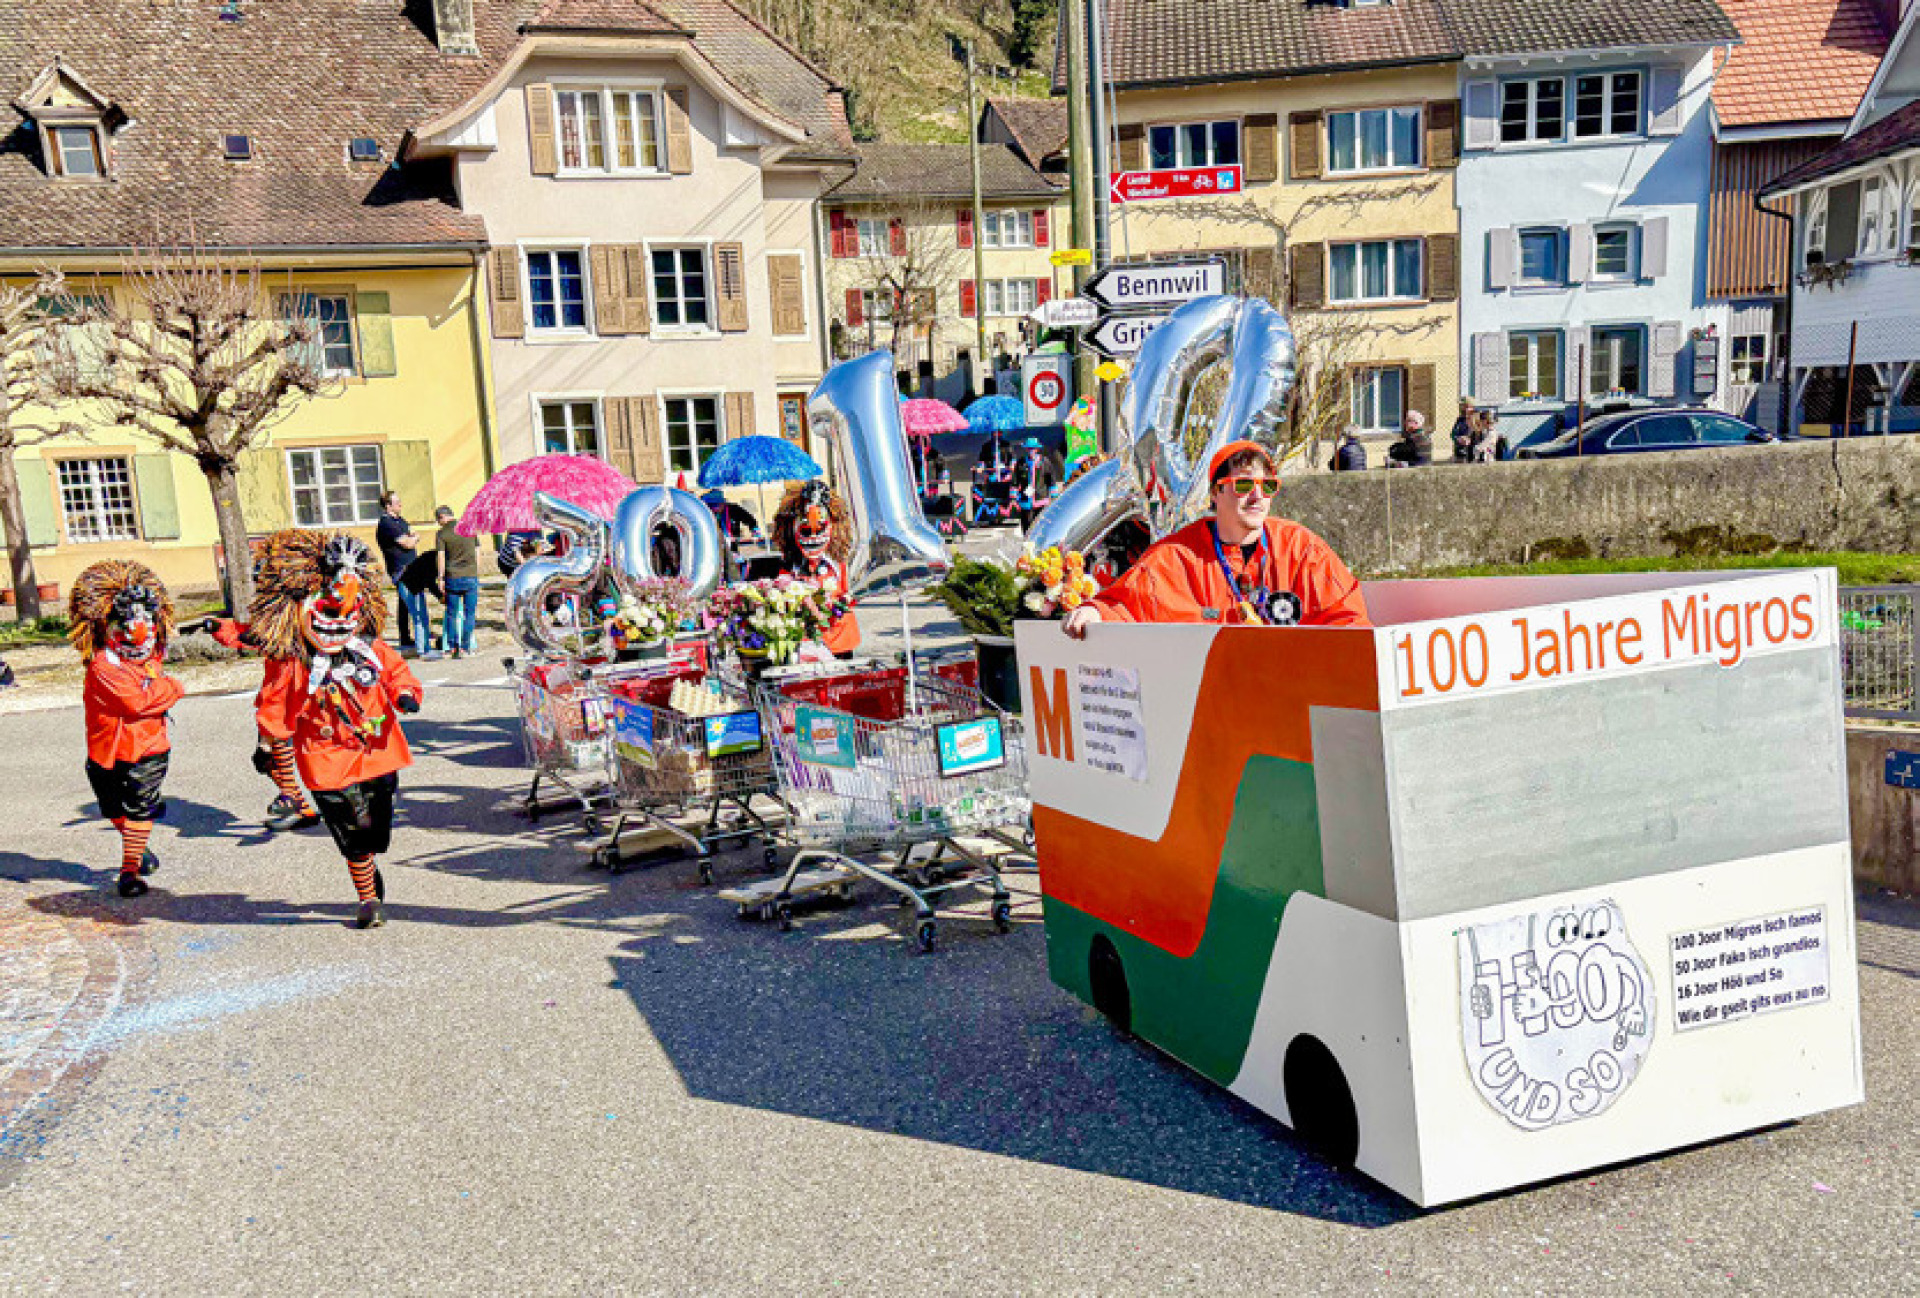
{"points": [[1046, 386]]}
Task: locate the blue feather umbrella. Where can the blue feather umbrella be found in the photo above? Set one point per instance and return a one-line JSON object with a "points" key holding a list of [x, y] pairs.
{"points": [[996, 415], [754, 461]]}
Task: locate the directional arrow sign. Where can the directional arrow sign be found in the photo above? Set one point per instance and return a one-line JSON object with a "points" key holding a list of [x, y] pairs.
{"points": [[1065, 313], [1121, 335], [1156, 284]]}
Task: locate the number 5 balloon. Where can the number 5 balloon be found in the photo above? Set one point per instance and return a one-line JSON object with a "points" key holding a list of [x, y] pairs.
{"points": [[573, 573]]}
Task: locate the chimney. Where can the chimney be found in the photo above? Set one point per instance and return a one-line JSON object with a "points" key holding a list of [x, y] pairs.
{"points": [[453, 26]]}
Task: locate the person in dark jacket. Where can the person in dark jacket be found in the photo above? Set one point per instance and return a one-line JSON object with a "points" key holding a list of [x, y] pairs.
{"points": [[1415, 447], [1349, 455]]}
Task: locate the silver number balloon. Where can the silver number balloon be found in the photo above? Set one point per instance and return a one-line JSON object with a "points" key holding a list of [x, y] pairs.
{"points": [[573, 573], [1170, 361], [1089, 507], [856, 410], [634, 523]]}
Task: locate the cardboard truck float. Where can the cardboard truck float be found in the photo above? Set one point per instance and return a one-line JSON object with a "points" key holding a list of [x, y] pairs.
{"points": [[1536, 875]]}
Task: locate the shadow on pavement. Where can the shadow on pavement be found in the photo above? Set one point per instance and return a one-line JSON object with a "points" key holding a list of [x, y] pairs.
{"points": [[483, 741]]}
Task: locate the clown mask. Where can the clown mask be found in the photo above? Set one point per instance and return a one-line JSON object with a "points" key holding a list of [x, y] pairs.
{"points": [[335, 614], [133, 631], [814, 533]]}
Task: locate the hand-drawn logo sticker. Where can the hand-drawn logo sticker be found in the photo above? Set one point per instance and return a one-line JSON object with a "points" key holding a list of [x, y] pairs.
{"points": [[1556, 1013]]}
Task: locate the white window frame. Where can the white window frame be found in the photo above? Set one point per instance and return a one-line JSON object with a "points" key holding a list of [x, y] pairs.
{"points": [[97, 508], [994, 236], [1912, 242], [667, 447], [1536, 371], [1631, 233], [1754, 363], [90, 345], [1387, 112], [541, 400], [1395, 290], [1533, 136], [1814, 226], [1608, 117], [1616, 363], [882, 244], [1520, 277], [711, 328], [1879, 215], [559, 332], [56, 150], [605, 90], [1365, 408], [320, 481], [1179, 130], [293, 300], [986, 304]]}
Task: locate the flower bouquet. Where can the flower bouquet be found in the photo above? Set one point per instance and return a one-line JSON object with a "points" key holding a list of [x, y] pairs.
{"points": [[770, 619], [652, 611], [1052, 582]]}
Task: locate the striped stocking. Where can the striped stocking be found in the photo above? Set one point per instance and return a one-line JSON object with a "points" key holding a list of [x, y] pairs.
{"points": [[283, 776], [133, 843], [362, 869]]}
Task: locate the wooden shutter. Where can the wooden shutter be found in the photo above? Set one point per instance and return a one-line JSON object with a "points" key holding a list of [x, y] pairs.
{"points": [[786, 286], [1131, 146], [1042, 234], [730, 286], [36, 501], [739, 415], [1258, 272], [969, 299], [1490, 380], [1042, 291], [1303, 146], [679, 132], [649, 456], [503, 288], [963, 226], [545, 158], [1307, 274], [1482, 108], [1443, 267], [896, 237], [1501, 256], [1579, 253], [373, 321], [261, 484], [159, 509], [407, 467], [1578, 363], [616, 414], [1261, 153], [842, 239], [1663, 102], [632, 261], [1653, 247], [607, 276], [1443, 133], [1420, 380], [1660, 365], [856, 308]]}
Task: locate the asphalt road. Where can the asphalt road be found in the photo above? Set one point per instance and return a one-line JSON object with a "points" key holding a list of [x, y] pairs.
{"points": [[541, 1079]]}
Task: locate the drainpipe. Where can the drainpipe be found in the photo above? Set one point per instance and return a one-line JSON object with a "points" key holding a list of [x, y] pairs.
{"points": [[475, 280], [1786, 330]]}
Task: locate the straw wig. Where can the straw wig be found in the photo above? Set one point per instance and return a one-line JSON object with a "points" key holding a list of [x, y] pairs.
{"points": [[793, 507], [95, 592], [296, 564]]}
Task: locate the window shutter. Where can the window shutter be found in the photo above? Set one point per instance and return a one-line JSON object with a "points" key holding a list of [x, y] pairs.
{"points": [[373, 321], [649, 457], [739, 415], [1443, 133], [1490, 382], [36, 501], [1131, 142], [1663, 102], [963, 226], [787, 287], [1042, 291], [631, 261], [615, 412], [1660, 364], [1579, 363], [837, 223], [679, 132], [159, 509], [730, 286], [969, 299], [1442, 264], [606, 281], [1258, 266], [1500, 257], [896, 237], [503, 287], [1579, 253], [1653, 247], [545, 158], [856, 312], [1421, 380], [1303, 146], [1042, 234], [1482, 108], [407, 467], [1261, 151], [265, 498], [1307, 274]]}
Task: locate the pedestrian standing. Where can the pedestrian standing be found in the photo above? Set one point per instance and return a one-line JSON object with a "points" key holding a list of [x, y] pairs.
{"points": [[460, 578], [397, 547]]}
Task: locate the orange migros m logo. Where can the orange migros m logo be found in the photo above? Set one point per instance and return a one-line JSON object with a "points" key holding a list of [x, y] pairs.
{"points": [[1052, 715]]}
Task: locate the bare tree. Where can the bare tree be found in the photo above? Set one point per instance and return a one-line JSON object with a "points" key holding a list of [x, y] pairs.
{"points": [[198, 360], [916, 259], [24, 369]]}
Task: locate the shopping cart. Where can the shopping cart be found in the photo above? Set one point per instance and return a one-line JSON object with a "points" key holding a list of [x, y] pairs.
{"points": [[886, 761], [670, 765], [563, 722]]}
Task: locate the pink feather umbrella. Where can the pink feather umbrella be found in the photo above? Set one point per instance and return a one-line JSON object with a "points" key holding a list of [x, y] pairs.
{"points": [[505, 503], [923, 417]]}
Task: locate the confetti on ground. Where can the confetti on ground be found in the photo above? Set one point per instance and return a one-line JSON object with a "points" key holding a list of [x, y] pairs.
{"points": [[1822, 1187]]}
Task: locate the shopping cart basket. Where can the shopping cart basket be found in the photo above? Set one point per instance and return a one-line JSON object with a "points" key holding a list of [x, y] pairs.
{"points": [[563, 723]]}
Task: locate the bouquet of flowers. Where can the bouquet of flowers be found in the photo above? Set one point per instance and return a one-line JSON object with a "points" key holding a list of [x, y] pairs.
{"points": [[1052, 582], [654, 610], [771, 618]]}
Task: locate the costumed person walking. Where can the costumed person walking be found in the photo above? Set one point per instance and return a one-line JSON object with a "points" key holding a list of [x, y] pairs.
{"points": [[272, 758], [121, 619], [813, 532], [333, 687], [1237, 567]]}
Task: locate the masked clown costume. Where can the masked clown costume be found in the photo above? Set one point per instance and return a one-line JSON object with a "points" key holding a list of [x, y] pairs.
{"points": [[335, 690], [121, 620], [814, 535], [272, 758]]}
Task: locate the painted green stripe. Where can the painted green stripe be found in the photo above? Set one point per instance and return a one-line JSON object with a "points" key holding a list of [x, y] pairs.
{"points": [[1200, 1009]]}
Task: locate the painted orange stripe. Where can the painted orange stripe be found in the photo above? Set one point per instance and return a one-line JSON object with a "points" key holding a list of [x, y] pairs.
{"points": [[1254, 699]]}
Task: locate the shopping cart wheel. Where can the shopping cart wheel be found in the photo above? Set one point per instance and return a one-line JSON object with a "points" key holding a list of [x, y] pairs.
{"points": [[531, 808], [592, 825], [771, 857], [1003, 915], [706, 871], [604, 858], [784, 913], [926, 934]]}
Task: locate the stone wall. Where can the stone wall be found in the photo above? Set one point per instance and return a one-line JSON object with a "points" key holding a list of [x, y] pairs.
{"points": [[1862, 494]]}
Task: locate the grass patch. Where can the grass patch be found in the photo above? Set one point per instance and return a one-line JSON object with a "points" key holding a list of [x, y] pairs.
{"points": [[1856, 567], [41, 630]]}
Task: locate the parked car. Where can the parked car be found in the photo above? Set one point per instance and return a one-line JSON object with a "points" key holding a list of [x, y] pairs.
{"points": [[1651, 430]]}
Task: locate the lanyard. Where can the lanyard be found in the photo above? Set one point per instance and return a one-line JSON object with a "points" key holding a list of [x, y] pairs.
{"points": [[1220, 553]]}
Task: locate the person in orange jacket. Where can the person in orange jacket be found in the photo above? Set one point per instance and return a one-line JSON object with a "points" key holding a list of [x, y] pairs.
{"points": [[334, 689], [814, 535], [273, 758], [120, 619], [1237, 567]]}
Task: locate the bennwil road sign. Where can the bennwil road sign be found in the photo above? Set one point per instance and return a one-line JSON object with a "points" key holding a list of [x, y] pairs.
{"points": [[1121, 335], [1165, 284]]}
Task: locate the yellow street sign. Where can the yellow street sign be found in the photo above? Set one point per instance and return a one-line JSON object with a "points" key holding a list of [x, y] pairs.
{"points": [[1073, 257], [1110, 371]]}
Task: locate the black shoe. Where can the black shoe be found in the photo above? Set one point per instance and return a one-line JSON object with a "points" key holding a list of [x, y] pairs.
{"points": [[132, 885], [285, 813], [149, 863], [371, 915]]}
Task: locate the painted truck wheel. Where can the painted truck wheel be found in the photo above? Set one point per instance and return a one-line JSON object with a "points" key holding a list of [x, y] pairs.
{"points": [[1108, 979], [1321, 1102]]}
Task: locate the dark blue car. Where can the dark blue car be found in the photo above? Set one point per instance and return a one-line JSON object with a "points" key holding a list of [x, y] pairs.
{"points": [[1651, 430]]}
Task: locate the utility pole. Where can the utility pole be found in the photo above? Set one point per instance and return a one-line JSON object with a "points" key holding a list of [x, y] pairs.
{"points": [[1102, 186], [981, 363], [1080, 170]]}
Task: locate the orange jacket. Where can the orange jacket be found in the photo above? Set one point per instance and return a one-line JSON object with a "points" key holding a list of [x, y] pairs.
{"points": [[1179, 580], [842, 635], [126, 708], [329, 753]]}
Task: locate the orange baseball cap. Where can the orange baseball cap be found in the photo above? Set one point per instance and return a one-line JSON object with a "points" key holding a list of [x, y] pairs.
{"points": [[1231, 449]]}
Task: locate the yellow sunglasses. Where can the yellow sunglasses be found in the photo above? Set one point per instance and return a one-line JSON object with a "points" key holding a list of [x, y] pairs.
{"points": [[1245, 486]]}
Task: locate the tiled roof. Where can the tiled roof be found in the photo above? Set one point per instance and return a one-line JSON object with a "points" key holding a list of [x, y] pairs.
{"points": [[939, 171], [1896, 133], [1551, 26], [300, 79], [1798, 60], [602, 16], [1039, 126]]}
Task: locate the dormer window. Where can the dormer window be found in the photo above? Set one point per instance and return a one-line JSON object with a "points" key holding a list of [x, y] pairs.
{"points": [[75, 151], [75, 126], [236, 148]]}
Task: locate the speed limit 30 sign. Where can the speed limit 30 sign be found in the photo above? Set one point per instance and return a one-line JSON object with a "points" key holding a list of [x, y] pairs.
{"points": [[1047, 384]]}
